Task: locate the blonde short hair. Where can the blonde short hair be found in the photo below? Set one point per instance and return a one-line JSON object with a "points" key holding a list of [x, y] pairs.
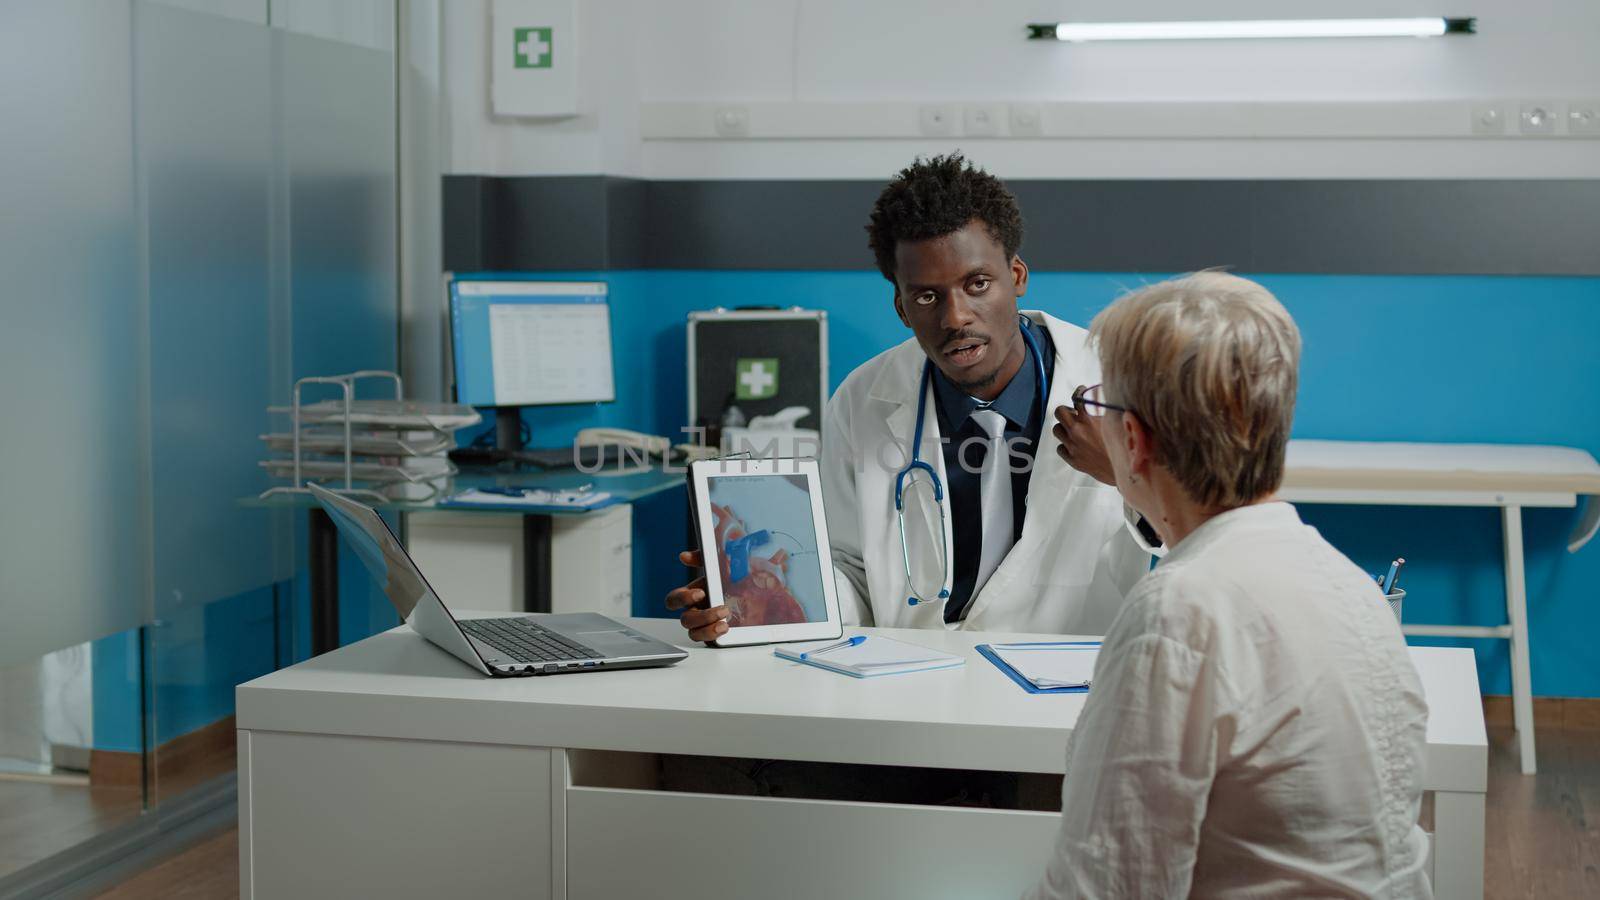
{"points": [[1210, 364]]}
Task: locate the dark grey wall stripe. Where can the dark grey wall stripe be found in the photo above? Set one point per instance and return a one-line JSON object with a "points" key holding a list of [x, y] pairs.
{"points": [[627, 213], [1529, 227], [759, 224], [461, 211]]}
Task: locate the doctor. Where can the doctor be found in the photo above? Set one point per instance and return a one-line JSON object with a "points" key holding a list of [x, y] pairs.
{"points": [[949, 505]]}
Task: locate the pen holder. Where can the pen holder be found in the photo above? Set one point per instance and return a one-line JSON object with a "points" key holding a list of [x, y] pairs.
{"points": [[1396, 597]]}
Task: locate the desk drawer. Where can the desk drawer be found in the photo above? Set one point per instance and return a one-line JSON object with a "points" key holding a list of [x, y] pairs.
{"points": [[340, 817], [645, 843]]}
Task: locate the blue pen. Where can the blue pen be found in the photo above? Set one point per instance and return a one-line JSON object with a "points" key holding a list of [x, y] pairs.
{"points": [[1394, 574], [847, 642], [504, 491]]}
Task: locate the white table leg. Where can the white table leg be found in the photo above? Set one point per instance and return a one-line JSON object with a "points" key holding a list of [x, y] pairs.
{"points": [[1517, 615], [1458, 845]]}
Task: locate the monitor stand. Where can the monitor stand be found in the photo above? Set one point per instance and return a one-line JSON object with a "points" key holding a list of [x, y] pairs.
{"points": [[508, 446], [508, 431]]}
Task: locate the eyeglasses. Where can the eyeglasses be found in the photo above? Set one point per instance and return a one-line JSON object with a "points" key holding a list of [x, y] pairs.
{"points": [[1093, 404]]}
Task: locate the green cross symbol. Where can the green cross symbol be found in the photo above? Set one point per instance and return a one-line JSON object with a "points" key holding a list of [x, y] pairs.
{"points": [[757, 379], [533, 47]]}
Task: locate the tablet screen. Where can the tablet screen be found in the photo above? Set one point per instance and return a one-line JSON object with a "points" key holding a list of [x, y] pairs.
{"points": [[766, 548]]}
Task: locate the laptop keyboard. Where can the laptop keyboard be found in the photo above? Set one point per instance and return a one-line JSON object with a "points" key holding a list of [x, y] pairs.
{"points": [[527, 642]]}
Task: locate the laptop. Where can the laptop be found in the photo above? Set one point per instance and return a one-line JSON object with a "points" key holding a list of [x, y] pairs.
{"points": [[514, 646]]}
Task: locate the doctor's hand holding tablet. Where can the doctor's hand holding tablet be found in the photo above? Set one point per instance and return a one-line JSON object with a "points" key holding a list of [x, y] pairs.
{"points": [[764, 542], [703, 621]]}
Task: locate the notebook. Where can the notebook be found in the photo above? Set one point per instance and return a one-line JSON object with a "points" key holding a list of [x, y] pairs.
{"points": [[872, 657], [1046, 667]]}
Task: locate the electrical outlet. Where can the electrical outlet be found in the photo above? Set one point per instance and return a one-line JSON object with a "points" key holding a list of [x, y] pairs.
{"points": [[1027, 120], [732, 121], [1488, 118], [938, 121], [983, 120], [1537, 117], [1583, 118]]}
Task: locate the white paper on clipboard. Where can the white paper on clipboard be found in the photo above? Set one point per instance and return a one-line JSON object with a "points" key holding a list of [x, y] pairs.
{"points": [[1051, 665]]}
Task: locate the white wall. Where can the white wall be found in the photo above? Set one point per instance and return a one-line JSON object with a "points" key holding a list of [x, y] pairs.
{"points": [[604, 138], [768, 54], [961, 50]]}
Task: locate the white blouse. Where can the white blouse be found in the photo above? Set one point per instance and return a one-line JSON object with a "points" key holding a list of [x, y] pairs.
{"points": [[1255, 728]]}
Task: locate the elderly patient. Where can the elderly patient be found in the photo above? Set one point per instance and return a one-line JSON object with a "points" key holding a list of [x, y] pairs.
{"points": [[1255, 727]]}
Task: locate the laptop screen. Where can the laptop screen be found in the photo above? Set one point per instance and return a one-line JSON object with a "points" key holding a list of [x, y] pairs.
{"points": [[380, 552]]}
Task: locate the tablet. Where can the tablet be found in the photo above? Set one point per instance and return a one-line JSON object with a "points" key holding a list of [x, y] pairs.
{"points": [[765, 538]]}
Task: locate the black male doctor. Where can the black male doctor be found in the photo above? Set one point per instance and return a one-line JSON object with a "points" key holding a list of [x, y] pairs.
{"points": [[949, 503]]}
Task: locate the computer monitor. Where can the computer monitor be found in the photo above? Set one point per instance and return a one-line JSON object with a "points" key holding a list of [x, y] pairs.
{"points": [[529, 343]]}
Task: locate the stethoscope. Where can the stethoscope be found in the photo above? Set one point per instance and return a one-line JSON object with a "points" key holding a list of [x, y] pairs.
{"points": [[938, 486]]}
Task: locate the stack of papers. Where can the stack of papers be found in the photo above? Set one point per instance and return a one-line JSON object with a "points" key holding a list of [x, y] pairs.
{"points": [[1049, 666], [520, 497], [872, 657], [396, 449], [401, 414]]}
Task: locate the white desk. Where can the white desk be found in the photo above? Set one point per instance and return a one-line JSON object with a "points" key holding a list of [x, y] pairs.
{"points": [[1505, 477], [388, 768]]}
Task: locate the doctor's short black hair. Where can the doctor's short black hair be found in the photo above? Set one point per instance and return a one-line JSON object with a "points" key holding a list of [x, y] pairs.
{"points": [[937, 196]]}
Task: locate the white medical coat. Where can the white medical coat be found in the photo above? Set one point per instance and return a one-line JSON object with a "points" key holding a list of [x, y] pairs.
{"points": [[1078, 554]]}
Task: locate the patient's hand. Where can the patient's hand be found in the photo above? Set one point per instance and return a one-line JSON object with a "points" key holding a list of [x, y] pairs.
{"points": [[1081, 444], [700, 619]]}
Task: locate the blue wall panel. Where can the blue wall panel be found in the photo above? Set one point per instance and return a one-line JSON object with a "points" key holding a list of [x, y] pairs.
{"points": [[1424, 358], [115, 693]]}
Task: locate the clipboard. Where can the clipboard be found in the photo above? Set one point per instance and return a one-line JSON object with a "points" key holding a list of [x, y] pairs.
{"points": [[987, 651]]}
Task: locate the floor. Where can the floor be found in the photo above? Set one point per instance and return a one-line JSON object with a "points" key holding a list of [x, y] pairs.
{"points": [[39, 819], [1543, 831], [207, 870]]}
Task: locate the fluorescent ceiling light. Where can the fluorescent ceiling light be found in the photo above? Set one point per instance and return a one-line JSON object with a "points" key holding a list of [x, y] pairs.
{"points": [[1260, 28]]}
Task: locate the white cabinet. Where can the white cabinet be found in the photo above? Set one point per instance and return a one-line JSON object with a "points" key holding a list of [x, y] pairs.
{"points": [[591, 562], [474, 559], [328, 815]]}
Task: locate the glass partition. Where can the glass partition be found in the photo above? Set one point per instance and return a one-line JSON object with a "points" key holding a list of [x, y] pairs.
{"points": [[73, 500], [271, 223], [201, 206]]}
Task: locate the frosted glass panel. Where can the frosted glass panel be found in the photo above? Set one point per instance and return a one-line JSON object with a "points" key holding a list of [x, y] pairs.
{"points": [[365, 23], [73, 506], [207, 162], [339, 145], [421, 167]]}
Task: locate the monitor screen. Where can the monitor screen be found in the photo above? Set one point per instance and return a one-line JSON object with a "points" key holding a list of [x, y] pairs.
{"points": [[531, 343]]}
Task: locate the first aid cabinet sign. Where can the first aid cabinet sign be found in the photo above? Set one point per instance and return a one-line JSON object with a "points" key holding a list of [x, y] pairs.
{"points": [[535, 57]]}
